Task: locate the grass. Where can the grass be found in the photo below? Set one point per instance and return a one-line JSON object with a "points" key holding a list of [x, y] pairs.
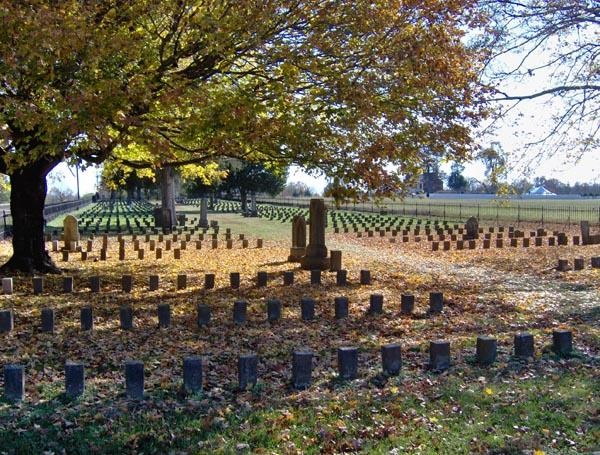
{"points": [[453, 416]]}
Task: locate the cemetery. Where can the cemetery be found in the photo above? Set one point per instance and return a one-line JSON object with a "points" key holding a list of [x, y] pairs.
{"points": [[215, 327], [315, 227]]}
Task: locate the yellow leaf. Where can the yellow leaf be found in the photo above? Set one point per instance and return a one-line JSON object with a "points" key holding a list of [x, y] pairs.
{"points": [[488, 391]]}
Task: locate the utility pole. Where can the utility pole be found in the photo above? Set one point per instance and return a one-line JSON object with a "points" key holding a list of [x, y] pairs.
{"points": [[77, 175]]}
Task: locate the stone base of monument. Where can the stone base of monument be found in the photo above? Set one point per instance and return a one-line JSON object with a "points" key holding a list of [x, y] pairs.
{"points": [[314, 263], [296, 253]]}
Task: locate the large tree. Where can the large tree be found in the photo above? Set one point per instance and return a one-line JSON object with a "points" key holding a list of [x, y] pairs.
{"points": [[547, 51], [251, 178], [353, 88]]}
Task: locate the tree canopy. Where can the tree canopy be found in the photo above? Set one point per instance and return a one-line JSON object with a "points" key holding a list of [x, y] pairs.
{"points": [[547, 51], [343, 87], [356, 89]]}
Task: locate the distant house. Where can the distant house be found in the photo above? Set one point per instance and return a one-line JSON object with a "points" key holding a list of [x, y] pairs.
{"points": [[540, 191]]}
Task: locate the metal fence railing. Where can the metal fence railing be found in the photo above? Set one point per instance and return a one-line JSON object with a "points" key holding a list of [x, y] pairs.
{"points": [[51, 211], [560, 211]]}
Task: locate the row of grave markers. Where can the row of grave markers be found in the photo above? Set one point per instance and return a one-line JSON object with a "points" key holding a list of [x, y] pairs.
{"points": [[239, 313], [262, 280], [302, 365]]}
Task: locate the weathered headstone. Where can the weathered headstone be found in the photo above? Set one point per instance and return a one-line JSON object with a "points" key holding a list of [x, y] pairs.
{"points": [[307, 309], [562, 342], [439, 355], [239, 311], [298, 248], [203, 314], [86, 317], [164, 315], [347, 362], [14, 382], [67, 284], [6, 321], [407, 304], [134, 379], [335, 261], [301, 369], [391, 359], [288, 278], [74, 379], [247, 365], [524, 345], [192, 373], [48, 320], [126, 317], [273, 310], [375, 304], [486, 350], [341, 307], [316, 251], [71, 232], [436, 302], [472, 228], [7, 286]]}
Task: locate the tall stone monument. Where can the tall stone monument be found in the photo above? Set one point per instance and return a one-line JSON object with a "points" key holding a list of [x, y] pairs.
{"points": [[203, 213], [71, 232], [316, 251], [298, 248]]}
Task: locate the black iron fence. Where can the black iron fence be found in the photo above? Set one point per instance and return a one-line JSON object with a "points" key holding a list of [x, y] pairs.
{"points": [[560, 211], [51, 211]]}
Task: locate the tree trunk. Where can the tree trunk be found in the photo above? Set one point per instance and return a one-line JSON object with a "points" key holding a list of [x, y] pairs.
{"points": [[244, 200], [167, 190], [27, 198]]}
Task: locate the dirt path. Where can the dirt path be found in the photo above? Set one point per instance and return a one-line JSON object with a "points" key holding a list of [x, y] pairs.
{"points": [[537, 293]]}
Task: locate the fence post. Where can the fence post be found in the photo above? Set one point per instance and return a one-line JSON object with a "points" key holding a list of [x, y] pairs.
{"points": [[518, 213], [459, 211], [444, 211], [542, 215]]}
